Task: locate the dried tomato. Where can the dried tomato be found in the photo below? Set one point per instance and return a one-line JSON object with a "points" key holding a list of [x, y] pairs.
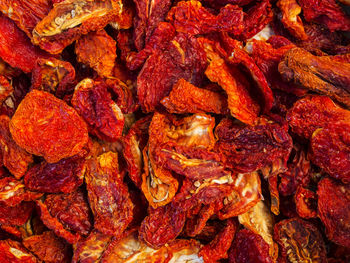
{"points": [[54, 76], [134, 142], [191, 17], [305, 69], [239, 101], [327, 12], [159, 40], [93, 102], [55, 225], [108, 195], [149, 15], [16, 215], [290, 18], [299, 241], [48, 248], [249, 247], [71, 210], [13, 192], [158, 184], [259, 220], [306, 203], [26, 14], [265, 146], [48, 127], [217, 249], [333, 210], [14, 252], [68, 20], [98, 50], [187, 98], [240, 57], [16, 48], [162, 225], [256, 18], [64, 176], [183, 58], [301, 116], [14, 158], [330, 150]]}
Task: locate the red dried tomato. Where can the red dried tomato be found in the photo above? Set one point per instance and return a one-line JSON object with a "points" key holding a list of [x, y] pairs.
{"points": [[217, 249], [16, 48], [162, 225], [330, 150], [48, 248], [299, 241], [249, 247], [71, 210], [14, 252], [333, 210], [93, 102], [98, 50], [48, 127], [14, 158], [108, 195], [64, 176]]}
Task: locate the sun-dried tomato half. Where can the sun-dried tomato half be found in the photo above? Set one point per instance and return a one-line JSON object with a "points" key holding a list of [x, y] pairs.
{"points": [[306, 203], [158, 184], [265, 146], [330, 150], [48, 248], [246, 193], [134, 142], [64, 176], [13, 192], [299, 241], [15, 215], [162, 225], [260, 220], [183, 58], [14, 252], [301, 116], [93, 102], [16, 48], [334, 209], [249, 247], [14, 158], [54, 76], [68, 20], [97, 50], [48, 127], [72, 211], [108, 195], [217, 249]]}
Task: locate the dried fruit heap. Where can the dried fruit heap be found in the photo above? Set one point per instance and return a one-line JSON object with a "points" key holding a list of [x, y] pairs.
{"points": [[174, 131]]}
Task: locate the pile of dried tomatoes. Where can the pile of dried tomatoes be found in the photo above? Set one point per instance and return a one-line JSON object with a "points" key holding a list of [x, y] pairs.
{"points": [[174, 131]]}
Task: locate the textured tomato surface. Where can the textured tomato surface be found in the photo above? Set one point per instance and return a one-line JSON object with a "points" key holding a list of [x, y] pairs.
{"points": [[162, 131]]}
